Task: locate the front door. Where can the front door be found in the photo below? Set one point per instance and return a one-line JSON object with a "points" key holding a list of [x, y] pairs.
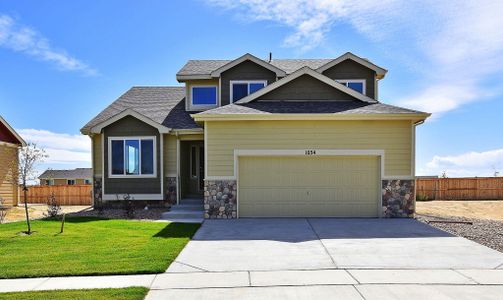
{"points": [[196, 169]]}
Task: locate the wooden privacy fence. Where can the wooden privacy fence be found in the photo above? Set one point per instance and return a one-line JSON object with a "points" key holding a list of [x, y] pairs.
{"points": [[476, 188], [65, 194]]}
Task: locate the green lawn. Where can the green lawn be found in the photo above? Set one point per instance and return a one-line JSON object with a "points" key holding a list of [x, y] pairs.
{"points": [[132, 293], [90, 246]]}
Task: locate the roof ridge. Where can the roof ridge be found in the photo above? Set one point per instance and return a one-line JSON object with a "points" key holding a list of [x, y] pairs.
{"points": [[156, 86]]}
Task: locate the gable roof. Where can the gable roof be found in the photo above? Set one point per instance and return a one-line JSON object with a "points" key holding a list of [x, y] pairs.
{"points": [[12, 132], [160, 105], [79, 173], [248, 56], [203, 69], [353, 107], [312, 73], [348, 55]]}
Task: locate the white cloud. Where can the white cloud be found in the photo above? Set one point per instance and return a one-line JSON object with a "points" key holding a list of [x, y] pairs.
{"points": [[21, 38], [62, 148], [466, 164], [442, 41]]}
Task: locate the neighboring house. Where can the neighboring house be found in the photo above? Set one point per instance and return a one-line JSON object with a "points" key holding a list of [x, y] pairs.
{"points": [[261, 138], [67, 177], [10, 142]]}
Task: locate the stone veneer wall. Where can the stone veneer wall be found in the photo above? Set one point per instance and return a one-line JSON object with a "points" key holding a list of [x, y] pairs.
{"points": [[398, 198], [220, 199], [170, 193], [97, 190]]}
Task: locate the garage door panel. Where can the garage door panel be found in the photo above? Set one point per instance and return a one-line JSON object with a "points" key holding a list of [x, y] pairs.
{"points": [[308, 186]]}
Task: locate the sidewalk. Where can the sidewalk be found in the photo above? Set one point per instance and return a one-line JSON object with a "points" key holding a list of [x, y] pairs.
{"points": [[312, 284]]}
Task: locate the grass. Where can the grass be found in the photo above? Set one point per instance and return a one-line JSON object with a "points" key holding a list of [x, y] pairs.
{"points": [[90, 246], [132, 293]]}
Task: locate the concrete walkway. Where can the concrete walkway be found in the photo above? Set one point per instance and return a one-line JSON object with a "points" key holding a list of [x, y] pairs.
{"points": [[305, 284]]}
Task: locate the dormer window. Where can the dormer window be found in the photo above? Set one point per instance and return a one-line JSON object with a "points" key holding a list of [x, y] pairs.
{"points": [[243, 88], [354, 84], [202, 97]]}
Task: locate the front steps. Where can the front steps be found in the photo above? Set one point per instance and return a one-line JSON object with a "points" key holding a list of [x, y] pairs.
{"points": [[188, 211]]}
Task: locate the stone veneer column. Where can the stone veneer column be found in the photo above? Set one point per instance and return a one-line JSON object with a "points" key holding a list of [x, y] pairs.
{"points": [[170, 185], [97, 190], [220, 199], [398, 198]]}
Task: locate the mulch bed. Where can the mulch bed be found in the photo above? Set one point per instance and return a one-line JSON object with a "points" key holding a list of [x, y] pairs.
{"points": [[116, 213], [485, 232]]}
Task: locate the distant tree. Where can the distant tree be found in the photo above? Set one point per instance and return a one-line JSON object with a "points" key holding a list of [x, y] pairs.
{"points": [[444, 174], [29, 156]]}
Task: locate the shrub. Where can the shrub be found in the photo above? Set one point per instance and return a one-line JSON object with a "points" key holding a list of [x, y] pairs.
{"points": [[53, 207], [128, 205]]}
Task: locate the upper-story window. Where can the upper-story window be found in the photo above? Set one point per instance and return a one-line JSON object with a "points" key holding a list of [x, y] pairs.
{"points": [[243, 88], [203, 96], [354, 84], [132, 156]]}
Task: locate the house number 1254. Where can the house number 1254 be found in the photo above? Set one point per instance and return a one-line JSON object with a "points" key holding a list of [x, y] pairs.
{"points": [[310, 152]]}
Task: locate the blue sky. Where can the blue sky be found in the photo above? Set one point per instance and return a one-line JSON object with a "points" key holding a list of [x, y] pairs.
{"points": [[61, 62]]}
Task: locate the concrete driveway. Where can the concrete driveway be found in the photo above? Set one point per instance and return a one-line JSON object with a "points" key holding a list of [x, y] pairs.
{"points": [[315, 243], [361, 259]]}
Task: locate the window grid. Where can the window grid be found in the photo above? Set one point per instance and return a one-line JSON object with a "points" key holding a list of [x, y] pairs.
{"points": [[126, 160], [248, 83]]}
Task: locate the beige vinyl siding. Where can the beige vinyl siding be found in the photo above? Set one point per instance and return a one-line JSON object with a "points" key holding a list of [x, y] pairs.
{"points": [[97, 154], [394, 137], [308, 186], [8, 166], [169, 154], [191, 137]]}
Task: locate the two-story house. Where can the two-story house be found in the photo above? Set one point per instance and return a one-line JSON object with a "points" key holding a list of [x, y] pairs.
{"points": [[261, 138]]}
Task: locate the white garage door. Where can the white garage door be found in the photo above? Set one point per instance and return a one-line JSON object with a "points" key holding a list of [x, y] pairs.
{"points": [[321, 186]]}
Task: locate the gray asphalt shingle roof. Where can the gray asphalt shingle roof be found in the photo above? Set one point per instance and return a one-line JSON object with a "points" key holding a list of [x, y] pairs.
{"points": [[205, 67], [164, 105], [311, 106], [79, 173]]}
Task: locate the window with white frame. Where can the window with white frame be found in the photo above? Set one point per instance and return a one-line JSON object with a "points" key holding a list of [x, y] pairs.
{"points": [[131, 156], [354, 84], [49, 182], [243, 88], [87, 181], [70, 181], [202, 96]]}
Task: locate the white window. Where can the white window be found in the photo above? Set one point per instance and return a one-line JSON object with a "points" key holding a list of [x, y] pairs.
{"points": [[87, 181], [202, 97], [243, 88], [49, 182], [132, 156], [70, 181], [354, 84]]}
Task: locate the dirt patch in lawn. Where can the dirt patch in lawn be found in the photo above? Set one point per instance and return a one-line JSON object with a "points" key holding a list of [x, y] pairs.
{"points": [[485, 210], [37, 211]]}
